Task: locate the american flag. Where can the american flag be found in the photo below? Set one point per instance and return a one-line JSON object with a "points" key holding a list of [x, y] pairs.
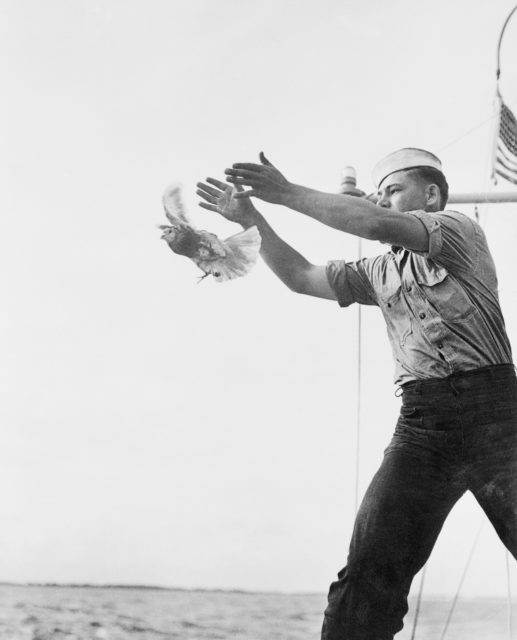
{"points": [[505, 146]]}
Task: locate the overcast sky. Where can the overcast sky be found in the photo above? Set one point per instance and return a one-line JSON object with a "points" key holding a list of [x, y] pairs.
{"points": [[160, 431]]}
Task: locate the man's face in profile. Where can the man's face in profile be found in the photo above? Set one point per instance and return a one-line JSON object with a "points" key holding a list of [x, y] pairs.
{"points": [[402, 192]]}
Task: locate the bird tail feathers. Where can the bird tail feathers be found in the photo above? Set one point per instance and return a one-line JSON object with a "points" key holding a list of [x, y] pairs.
{"points": [[242, 253]]}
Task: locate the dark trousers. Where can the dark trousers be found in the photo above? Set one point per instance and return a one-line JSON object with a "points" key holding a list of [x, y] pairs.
{"points": [[453, 434]]}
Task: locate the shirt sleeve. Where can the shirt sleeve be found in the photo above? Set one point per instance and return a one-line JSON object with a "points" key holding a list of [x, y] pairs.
{"points": [[350, 282], [454, 240]]}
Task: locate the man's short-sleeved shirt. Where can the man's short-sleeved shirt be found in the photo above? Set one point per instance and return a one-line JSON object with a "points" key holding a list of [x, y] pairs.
{"points": [[441, 306]]}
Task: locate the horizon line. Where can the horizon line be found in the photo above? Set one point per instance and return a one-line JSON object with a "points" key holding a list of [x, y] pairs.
{"points": [[151, 587]]}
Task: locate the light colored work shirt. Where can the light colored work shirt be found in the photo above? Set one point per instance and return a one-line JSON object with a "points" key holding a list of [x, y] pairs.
{"points": [[441, 306]]}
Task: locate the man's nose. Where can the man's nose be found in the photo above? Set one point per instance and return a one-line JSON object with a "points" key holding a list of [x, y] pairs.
{"points": [[383, 201]]}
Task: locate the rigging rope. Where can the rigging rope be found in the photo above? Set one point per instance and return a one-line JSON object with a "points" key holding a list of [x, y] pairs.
{"points": [[456, 595], [474, 128], [509, 596], [418, 602]]}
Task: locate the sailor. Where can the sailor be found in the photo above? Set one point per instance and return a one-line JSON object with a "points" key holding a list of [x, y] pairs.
{"points": [[457, 429]]}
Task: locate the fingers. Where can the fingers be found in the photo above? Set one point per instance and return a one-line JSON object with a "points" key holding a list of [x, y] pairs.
{"points": [[240, 177], [243, 173], [250, 166], [249, 182], [210, 207], [248, 174], [244, 194], [210, 190], [207, 196], [217, 183], [264, 160]]}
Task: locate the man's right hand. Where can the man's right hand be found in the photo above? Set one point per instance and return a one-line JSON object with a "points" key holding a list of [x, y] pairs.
{"points": [[292, 268], [220, 198]]}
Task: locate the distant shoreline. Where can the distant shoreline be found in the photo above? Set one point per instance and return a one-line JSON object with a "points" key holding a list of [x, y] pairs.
{"points": [[147, 587]]}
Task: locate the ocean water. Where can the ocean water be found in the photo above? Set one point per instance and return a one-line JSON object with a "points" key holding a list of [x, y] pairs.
{"points": [[87, 613]]}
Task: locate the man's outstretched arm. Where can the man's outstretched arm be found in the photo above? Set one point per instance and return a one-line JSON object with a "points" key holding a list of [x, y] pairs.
{"points": [[291, 267], [357, 216]]}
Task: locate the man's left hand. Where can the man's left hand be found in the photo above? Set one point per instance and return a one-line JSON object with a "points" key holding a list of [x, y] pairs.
{"points": [[265, 180]]}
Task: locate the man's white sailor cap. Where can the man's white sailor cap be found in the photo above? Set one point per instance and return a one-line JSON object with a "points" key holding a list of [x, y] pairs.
{"points": [[402, 160]]}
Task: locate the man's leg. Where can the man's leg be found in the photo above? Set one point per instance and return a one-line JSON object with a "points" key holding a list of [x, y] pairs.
{"points": [[396, 527], [494, 478]]}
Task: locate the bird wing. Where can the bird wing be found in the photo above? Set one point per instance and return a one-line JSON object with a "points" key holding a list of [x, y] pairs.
{"points": [[173, 205], [242, 250]]}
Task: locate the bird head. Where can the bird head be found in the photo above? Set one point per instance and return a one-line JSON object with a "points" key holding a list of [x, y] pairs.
{"points": [[169, 232]]}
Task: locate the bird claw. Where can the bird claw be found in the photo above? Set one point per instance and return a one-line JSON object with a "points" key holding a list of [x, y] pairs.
{"points": [[207, 273]]}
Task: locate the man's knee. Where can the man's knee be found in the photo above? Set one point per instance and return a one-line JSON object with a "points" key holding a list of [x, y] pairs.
{"points": [[368, 596]]}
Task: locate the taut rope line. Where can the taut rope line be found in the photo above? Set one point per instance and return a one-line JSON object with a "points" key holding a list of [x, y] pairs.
{"points": [[418, 602], [456, 595]]}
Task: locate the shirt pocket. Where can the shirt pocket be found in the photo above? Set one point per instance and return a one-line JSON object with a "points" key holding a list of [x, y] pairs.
{"points": [[445, 295], [396, 314]]}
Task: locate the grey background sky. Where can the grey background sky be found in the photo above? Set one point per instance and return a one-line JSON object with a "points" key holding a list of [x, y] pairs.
{"points": [[159, 431]]}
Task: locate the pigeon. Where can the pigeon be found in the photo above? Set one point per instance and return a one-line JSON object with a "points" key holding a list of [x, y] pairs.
{"points": [[223, 259]]}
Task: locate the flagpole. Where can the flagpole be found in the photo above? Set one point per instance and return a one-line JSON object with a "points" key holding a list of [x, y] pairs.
{"points": [[349, 187], [483, 197], [498, 72]]}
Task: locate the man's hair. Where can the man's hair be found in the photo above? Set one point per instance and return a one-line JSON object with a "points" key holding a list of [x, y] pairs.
{"points": [[429, 175]]}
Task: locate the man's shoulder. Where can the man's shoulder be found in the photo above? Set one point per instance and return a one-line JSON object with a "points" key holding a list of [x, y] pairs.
{"points": [[456, 215], [450, 221], [448, 214]]}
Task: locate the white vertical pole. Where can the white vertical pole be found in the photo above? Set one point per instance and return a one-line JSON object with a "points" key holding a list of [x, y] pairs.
{"points": [[359, 375], [349, 187]]}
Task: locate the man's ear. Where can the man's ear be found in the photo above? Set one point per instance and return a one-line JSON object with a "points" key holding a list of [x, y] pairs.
{"points": [[433, 195]]}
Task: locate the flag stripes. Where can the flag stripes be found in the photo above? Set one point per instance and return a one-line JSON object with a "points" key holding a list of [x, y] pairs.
{"points": [[506, 149]]}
